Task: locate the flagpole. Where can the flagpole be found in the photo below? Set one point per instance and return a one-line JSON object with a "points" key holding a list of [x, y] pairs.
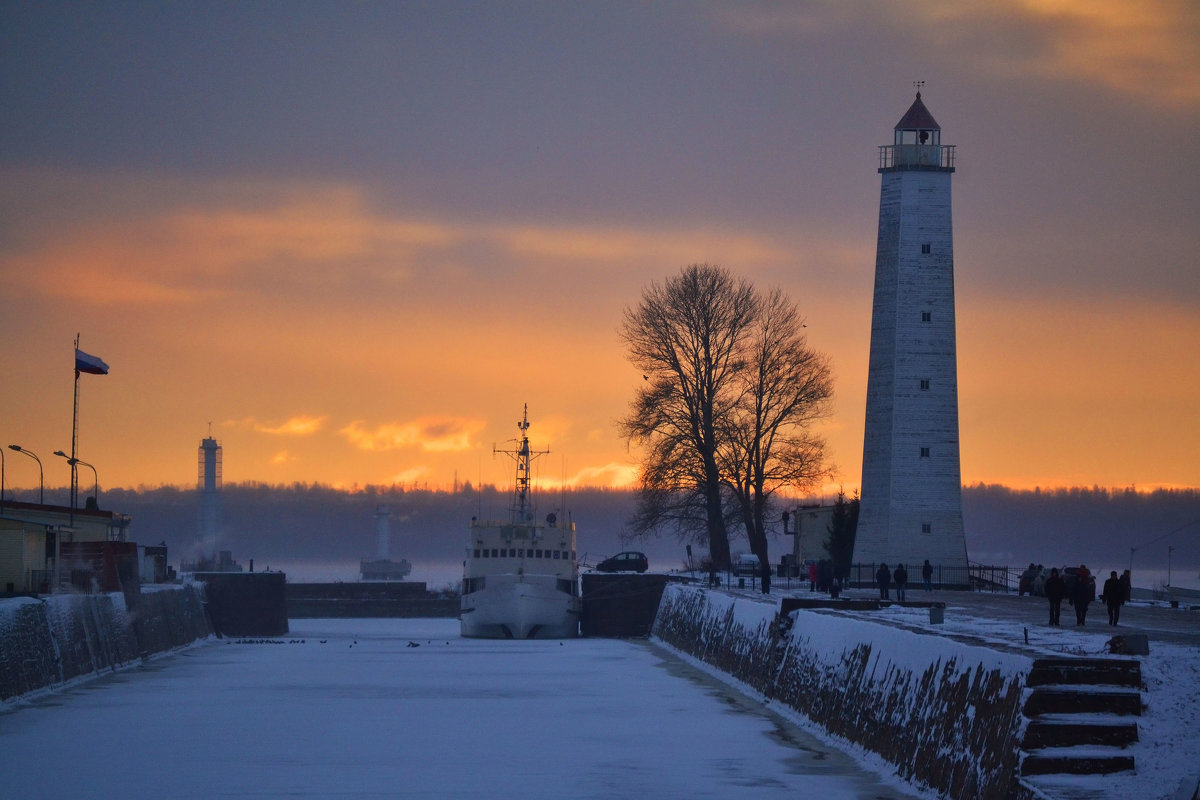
{"points": [[75, 438]]}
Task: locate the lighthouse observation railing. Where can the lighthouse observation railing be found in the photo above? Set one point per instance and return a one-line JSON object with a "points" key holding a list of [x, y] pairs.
{"points": [[916, 156]]}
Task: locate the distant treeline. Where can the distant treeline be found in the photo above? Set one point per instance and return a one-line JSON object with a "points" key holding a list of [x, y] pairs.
{"points": [[1094, 525], [315, 522], [307, 521]]}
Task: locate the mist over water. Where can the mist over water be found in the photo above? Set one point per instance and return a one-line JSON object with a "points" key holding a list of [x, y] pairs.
{"points": [[319, 533], [1156, 579], [434, 574]]}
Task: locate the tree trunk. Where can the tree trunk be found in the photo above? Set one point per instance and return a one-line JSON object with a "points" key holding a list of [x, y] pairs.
{"points": [[718, 536]]}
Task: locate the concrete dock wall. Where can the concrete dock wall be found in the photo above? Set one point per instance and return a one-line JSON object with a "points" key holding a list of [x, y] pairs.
{"points": [[946, 714], [52, 640], [368, 599]]}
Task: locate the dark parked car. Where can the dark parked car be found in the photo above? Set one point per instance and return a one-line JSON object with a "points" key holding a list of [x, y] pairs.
{"points": [[746, 565], [624, 562], [1032, 581]]}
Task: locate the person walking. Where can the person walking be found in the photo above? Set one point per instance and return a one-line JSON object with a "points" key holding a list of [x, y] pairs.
{"points": [[883, 577], [1085, 593], [1113, 597], [900, 577], [812, 576], [927, 575], [1055, 589], [1126, 586]]}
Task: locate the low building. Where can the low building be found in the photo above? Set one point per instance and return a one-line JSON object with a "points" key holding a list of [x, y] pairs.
{"points": [[83, 547], [810, 526]]}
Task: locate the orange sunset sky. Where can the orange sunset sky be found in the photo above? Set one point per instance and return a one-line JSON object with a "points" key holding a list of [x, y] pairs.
{"points": [[357, 238]]}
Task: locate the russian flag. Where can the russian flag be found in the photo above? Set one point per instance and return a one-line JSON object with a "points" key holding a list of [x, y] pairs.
{"points": [[89, 364]]}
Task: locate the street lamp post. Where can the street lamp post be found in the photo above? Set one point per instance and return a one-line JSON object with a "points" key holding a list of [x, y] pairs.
{"points": [[41, 474], [95, 475]]}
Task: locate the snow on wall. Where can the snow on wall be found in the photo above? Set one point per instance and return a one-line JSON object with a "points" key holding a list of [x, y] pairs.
{"points": [[946, 715], [53, 640]]}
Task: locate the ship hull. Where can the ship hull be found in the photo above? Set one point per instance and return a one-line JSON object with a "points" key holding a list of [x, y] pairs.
{"points": [[512, 606]]}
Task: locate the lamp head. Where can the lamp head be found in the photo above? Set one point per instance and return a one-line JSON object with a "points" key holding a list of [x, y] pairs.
{"points": [[16, 447]]}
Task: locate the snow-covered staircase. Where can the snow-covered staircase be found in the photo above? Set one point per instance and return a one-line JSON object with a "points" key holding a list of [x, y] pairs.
{"points": [[1081, 714]]}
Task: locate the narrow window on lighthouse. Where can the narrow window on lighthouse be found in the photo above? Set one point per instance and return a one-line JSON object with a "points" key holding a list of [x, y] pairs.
{"points": [[926, 249], [926, 316], [925, 384], [924, 452]]}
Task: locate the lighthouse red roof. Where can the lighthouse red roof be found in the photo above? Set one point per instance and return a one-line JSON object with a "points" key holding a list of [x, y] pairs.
{"points": [[918, 118]]}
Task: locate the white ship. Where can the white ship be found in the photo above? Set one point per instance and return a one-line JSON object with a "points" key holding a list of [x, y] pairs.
{"points": [[520, 578]]}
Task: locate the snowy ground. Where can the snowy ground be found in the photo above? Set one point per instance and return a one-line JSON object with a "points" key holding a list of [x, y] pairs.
{"points": [[354, 711], [1168, 751]]}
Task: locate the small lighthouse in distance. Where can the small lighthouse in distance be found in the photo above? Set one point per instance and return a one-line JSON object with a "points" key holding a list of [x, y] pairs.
{"points": [[382, 568], [911, 505]]}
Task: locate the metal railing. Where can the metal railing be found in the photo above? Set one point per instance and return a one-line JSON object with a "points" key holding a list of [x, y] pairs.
{"points": [[973, 577], [916, 156]]}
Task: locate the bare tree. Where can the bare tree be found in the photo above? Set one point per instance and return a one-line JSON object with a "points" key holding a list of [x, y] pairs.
{"points": [[687, 337], [766, 441]]}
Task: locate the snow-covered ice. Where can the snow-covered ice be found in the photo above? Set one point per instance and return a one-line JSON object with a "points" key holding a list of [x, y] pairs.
{"points": [[357, 711]]}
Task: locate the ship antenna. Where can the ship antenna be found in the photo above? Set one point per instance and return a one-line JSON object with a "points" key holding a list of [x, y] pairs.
{"points": [[523, 456]]}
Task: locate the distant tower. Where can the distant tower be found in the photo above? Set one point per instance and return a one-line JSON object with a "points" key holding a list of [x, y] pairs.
{"points": [[208, 484], [383, 537], [911, 481], [382, 568]]}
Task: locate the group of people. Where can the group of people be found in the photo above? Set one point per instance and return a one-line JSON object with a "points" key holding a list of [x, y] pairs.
{"points": [[885, 577], [1081, 591]]}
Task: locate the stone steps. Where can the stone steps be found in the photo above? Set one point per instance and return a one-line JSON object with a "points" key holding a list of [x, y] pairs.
{"points": [[1036, 764], [1082, 701], [1067, 733], [1093, 671], [1079, 711]]}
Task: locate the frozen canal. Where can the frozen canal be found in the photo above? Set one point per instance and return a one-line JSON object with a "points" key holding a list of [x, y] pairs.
{"points": [[357, 711]]}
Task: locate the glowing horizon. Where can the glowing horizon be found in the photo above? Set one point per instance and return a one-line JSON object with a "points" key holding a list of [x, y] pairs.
{"points": [[359, 264]]}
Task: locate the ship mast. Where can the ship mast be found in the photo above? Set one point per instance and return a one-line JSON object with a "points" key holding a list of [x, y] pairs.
{"points": [[522, 511]]}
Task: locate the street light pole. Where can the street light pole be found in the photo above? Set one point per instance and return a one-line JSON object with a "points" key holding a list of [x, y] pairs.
{"points": [[95, 475], [41, 473]]}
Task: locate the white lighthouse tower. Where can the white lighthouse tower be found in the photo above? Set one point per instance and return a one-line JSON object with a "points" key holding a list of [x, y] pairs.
{"points": [[911, 506]]}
